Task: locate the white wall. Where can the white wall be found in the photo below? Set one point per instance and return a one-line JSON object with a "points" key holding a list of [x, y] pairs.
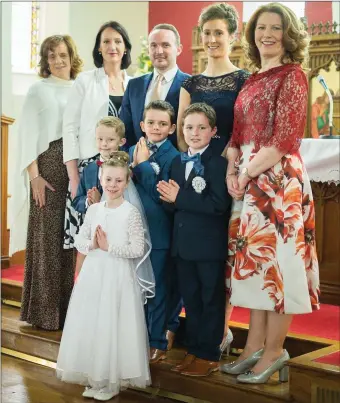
{"points": [[87, 17], [79, 19]]}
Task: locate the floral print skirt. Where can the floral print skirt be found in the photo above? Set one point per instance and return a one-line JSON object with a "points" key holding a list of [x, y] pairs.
{"points": [[272, 262]]}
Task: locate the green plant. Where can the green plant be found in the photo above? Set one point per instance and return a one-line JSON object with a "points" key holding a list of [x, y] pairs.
{"points": [[144, 62]]}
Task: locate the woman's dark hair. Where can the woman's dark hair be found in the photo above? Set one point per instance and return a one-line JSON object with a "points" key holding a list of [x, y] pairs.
{"points": [[98, 58]]}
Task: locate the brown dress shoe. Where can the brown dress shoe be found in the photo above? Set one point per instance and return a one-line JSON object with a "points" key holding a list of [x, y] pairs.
{"points": [[156, 355], [170, 336], [200, 367], [188, 359]]}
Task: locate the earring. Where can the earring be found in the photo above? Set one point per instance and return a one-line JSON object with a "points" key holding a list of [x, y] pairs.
{"points": [[125, 53], [100, 53]]}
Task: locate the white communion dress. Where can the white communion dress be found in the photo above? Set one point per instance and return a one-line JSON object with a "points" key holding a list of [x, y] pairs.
{"points": [[104, 342]]}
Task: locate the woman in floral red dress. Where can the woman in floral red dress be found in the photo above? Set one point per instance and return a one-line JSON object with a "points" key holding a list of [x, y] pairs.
{"points": [[272, 244]]}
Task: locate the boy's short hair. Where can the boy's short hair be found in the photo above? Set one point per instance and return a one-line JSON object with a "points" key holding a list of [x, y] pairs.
{"points": [[201, 107], [161, 106], [115, 123]]}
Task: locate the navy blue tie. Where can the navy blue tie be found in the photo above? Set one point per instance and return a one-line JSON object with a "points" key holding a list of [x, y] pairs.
{"points": [[196, 159], [152, 147]]}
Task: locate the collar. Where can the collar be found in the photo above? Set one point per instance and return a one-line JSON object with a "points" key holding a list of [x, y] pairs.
{"points": [[101, 74], [101, 158], [168, 76], [51, 79], [159, 143], [201, 151]]}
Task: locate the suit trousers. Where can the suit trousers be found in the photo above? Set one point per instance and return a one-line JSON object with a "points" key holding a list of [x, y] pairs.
{"points": [[174, 303], [155, 309], [202, 285]]}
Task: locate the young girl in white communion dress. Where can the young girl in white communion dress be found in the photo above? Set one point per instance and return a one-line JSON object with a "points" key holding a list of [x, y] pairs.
{"points": [[104, 343]]}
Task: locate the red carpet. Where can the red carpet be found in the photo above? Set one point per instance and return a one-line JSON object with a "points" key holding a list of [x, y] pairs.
{"points": [[324, 323], [15, 273], [332, 359]]}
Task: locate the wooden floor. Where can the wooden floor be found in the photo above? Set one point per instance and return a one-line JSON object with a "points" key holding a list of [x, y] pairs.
{"points": [[24, 382]]}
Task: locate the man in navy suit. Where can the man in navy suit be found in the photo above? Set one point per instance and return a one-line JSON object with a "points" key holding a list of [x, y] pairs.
{"points": [[197, 194], [163, 84]]}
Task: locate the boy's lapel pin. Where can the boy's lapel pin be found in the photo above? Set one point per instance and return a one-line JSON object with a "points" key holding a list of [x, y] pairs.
{"points": [[199, 184]]}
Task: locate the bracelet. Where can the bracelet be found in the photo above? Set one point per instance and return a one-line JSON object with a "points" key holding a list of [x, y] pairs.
{"points": [[35, 177], [232, 174]]}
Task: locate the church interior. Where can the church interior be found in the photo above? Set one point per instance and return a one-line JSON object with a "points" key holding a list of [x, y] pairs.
{"points": [[29, 356]]}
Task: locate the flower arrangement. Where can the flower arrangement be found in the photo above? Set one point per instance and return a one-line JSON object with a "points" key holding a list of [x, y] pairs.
{"points": [[144, 62]]}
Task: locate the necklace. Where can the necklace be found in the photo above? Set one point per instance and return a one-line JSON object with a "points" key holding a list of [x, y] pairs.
{"points": [[114, 88]]}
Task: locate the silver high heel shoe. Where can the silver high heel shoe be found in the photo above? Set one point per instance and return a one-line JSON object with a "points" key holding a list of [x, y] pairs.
{"points": [[234, 368], [226, 342], [278, 365]]}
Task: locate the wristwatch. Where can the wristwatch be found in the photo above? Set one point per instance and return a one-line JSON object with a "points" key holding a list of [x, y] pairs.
{"points": [[244, 171]]}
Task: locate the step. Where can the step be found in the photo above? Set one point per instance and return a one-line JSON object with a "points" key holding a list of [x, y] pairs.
{"points": [[312, 380], [18, 337], [11, 291], [296, 344]]}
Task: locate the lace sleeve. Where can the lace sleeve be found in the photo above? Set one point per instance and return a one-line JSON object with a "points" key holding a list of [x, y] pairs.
{"points": [[290, 112], [82, 240], [135, 246], [234, 140], [187, 84]]}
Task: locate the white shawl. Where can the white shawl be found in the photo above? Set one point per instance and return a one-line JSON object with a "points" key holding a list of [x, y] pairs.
{"points": [[40, 124]]}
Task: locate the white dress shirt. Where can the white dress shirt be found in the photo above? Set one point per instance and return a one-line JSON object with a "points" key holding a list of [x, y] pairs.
{"points": [[190, 164], [166, 83], [88, 102]]}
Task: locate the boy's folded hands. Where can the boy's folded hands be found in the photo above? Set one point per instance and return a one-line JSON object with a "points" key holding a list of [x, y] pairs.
{"points": [[168, 190], [93, 196]]}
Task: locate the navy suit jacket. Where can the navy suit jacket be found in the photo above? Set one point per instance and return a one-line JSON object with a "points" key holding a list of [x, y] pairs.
{"points": [[88, 180], [200, 231], [160, 221], [131, 112]]}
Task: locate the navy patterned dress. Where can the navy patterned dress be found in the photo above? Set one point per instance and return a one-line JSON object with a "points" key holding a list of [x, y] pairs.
{"points": [[220, 93]]}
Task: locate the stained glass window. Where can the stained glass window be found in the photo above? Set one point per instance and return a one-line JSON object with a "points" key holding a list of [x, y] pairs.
{"points": [[25, 35], [34, 34]]}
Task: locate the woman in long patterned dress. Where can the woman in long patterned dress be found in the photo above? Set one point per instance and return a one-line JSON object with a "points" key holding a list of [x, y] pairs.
{"points": [[96, 93], [218, 86], [49, 270], [272, 240]]}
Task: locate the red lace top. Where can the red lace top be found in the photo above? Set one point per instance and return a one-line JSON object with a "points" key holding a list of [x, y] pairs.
{"points": [[271, 109]]}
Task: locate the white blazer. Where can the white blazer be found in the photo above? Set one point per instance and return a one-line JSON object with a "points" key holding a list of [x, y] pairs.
{"points": [[88, 102]]}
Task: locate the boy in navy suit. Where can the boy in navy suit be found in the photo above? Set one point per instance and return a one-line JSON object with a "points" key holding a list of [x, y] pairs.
{"points": [[197, 194], [151, 160], [110, 132]]}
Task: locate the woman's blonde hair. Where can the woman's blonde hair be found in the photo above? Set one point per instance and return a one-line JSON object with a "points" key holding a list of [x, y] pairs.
{"points": [[49, 44], [295, 38], [119, 159]]}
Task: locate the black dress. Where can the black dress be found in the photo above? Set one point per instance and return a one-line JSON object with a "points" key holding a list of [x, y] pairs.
{"points": [[115, 102], [220, 93]]}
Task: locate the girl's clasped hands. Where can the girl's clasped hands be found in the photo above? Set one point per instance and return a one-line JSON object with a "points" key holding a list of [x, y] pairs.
{"points": [[100, 240]]}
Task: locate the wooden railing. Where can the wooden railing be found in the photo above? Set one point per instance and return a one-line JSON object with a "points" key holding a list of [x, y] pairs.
{"points": [[5, 123]]}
